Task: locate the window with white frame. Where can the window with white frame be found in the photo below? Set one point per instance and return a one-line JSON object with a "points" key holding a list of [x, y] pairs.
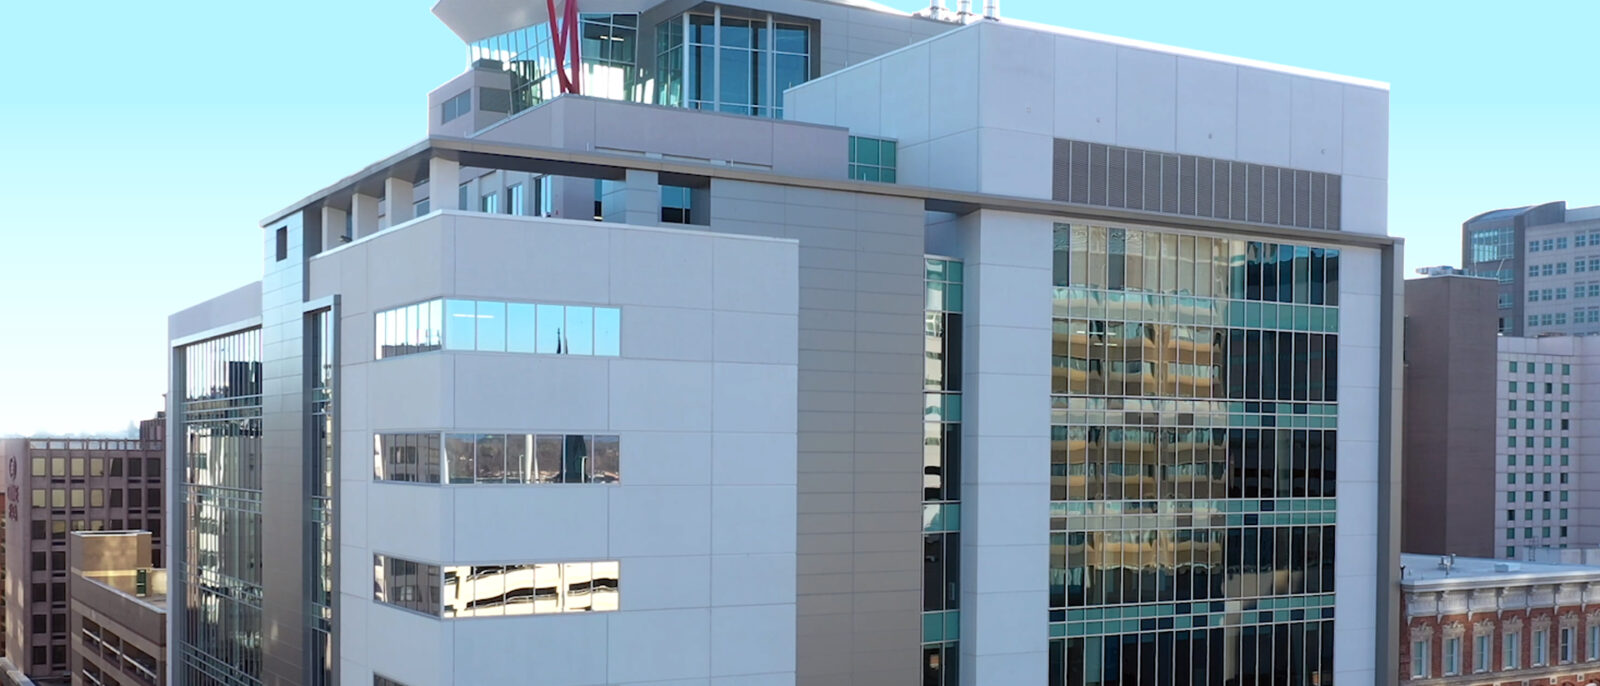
{"points": [[1511, 650], [1480, 653], [1541, 648], [1419, 659], [1452, 655]]}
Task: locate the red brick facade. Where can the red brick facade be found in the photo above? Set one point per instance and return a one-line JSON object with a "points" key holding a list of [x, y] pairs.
{"points": [[1435, 630]]}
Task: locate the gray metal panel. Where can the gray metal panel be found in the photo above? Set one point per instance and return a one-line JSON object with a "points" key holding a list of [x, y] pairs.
{"points": [[1133, 190], [1170, 185], [1391, 391], [1061, 169], [1269, 194], [283, 493], [1079, 184], [1116, 176], [1152, 181], [1253, 181], [1194, 186], [1237, 183], [859, 427]]}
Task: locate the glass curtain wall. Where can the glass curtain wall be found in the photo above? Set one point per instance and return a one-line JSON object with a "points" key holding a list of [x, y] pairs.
{"points": [[941, 473], [219, 626], [319, 500], [730, 60], [1194, 422], [607, 51]]}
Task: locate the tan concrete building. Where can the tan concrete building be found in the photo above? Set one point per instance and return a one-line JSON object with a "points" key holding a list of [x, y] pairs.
{"points": [[55, 486], [119, 610]]}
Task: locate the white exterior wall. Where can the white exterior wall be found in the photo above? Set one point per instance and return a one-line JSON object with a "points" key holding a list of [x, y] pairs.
{"points": [[1356, 551], [1583, 469], [1026, 86], [703, 397], [1005, 483]]}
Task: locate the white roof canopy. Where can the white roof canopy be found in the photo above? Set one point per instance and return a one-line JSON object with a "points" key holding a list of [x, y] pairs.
{"points": [[473, 20]]}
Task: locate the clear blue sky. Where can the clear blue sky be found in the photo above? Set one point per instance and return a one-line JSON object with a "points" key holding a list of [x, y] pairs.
{"points": [[140, 143]]}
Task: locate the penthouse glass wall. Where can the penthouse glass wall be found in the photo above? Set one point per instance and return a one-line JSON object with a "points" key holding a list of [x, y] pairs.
{"points": [[1194, 459], [608, 43], [730, 60], [219, 621]]}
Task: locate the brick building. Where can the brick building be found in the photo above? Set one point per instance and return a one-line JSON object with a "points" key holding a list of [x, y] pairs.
{"points": [[1482, 622]]}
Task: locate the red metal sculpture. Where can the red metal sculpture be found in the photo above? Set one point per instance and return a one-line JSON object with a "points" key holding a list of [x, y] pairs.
{"points": [[564, 35]]}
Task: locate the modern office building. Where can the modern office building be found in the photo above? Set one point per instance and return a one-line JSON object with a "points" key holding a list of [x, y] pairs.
{"points": [[55, 486], [118, 628], [1484, 622], [1450, 417], [1547, 260], [939, 348]]}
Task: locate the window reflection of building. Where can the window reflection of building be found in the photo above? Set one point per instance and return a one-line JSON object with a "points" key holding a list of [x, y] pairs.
{"points": [[497, 458], [464, 591], [1192, 458], [608, 46], [220, 570], [497, 327], [944, 285]]}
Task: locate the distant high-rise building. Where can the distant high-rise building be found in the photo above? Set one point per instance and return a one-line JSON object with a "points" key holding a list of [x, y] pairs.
{"points": [[1495, 419], [1547, 260], [55, 486], [905, 350]]}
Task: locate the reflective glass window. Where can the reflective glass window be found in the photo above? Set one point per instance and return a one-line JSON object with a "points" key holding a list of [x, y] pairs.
{"points": [[461, 324], [491, 459], [520, 331], [551, 328], [549, 450], [606, 465], [607, 331], [580, 331], [459, 454], [491, 326]]}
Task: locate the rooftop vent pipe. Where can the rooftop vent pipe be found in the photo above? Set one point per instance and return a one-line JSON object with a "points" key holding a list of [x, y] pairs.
{"points": [[963, 9], [991, 9]]}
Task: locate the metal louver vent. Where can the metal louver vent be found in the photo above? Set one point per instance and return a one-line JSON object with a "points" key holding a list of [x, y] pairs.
{"points": [[1115, 176]]}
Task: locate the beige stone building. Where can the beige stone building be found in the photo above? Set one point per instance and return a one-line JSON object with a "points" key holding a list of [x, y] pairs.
{"points": [[119, 610]]}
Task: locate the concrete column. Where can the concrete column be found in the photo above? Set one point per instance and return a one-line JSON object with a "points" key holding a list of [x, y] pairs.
{"points": [[700, 205], [634, 200], [1005, 487], [333, 222], [364, 210], [398, 193], [444, 177], [572, 197]]}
